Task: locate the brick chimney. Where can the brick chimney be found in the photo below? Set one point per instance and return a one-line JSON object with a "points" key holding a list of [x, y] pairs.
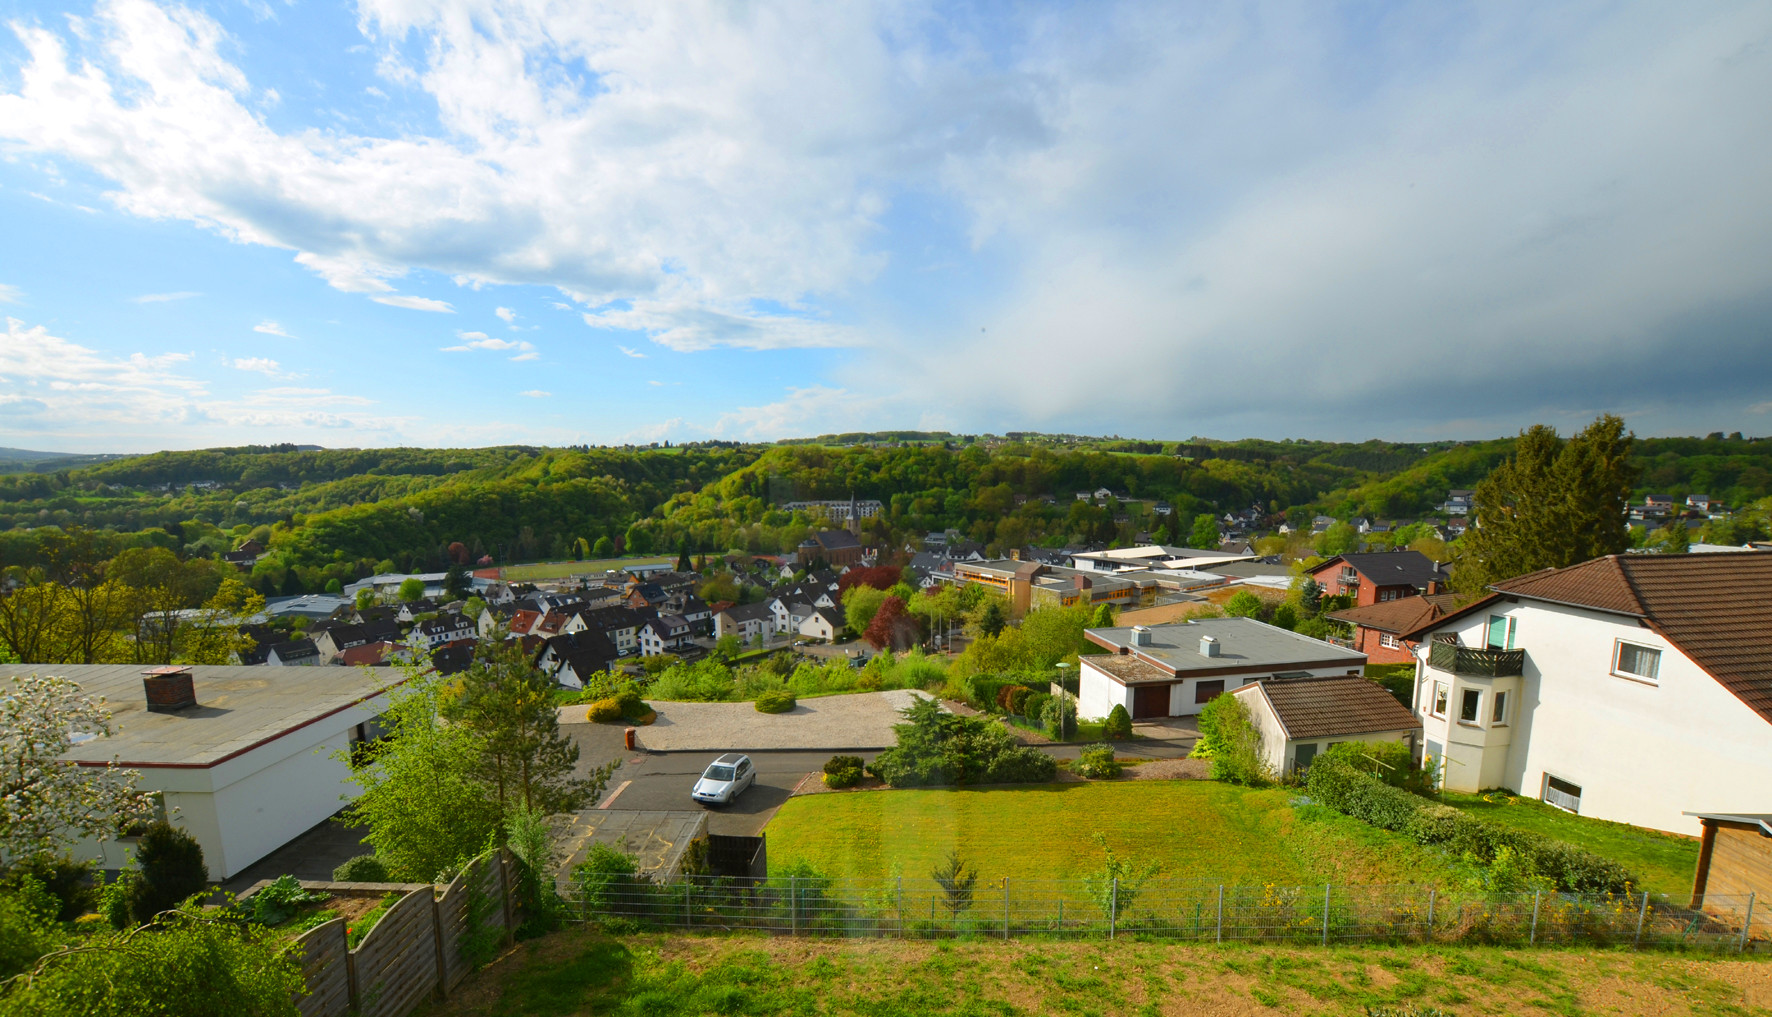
{"points": [[1082, 582], [169, 688]]}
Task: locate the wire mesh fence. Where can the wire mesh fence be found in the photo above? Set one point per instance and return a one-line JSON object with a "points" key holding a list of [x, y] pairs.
{"points": [[1194, 912]]}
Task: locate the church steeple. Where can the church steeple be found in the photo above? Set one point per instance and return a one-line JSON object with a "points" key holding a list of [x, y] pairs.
{"points": [[854, 515]]}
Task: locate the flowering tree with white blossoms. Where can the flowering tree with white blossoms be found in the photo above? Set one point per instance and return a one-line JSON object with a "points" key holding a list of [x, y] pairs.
{"points": [[47, 802]]}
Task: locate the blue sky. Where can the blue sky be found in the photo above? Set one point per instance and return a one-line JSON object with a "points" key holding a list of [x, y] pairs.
{"points": [[485, 221]]}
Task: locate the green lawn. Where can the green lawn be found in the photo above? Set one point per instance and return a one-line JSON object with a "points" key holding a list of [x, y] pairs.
{"points": [[1197, 830], [1664, 861], [562, 569], [582, 972]]}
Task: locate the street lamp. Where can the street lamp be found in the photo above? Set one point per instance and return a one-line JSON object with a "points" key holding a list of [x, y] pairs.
{"points": [[1064, 700]]}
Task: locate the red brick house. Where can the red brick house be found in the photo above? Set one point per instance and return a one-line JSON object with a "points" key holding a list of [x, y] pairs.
{"points": [[1382, 630], [1381, 576]]}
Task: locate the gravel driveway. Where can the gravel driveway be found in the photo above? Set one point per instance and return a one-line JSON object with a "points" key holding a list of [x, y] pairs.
{"points": [[861, 720]]}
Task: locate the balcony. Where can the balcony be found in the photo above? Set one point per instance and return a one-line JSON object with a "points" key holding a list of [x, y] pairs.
{"points": [[1465, 660]]}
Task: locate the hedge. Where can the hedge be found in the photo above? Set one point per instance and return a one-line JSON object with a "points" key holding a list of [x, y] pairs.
{"points": [[1366, 798], [775, 701]]}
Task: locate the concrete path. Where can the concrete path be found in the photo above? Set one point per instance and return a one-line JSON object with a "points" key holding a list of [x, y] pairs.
{"points": [[862, 720]]}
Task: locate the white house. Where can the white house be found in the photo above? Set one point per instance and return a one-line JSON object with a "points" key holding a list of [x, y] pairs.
{"points": [[295, 653], [1634, 688], [442, 629], [822, 623], [663, 634], [1300, 718], [246, 764], [1173, 670]]}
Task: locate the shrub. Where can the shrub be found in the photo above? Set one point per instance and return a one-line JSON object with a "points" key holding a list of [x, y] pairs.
{"points": [[839, 763], [1059, 717], [775, 701], [276, 903], [1007, 696], [171, 869], [603, 711], [1097, 763], [68, 881], [609, 882], [1119, 724], [362, 869], [1034, 708], [1022, 765], [27, 925], [1391, 762], [631, 705], [846, 777], [1229, 738]]}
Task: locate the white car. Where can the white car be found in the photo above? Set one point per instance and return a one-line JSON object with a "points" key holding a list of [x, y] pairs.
{"points": [[724, 778]]}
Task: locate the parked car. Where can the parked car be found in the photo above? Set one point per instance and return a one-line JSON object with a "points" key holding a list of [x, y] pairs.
{"points": [[724, 779]]}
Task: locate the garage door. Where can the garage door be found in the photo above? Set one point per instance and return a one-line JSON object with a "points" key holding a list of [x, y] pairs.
{"points": [[1150, 701]]}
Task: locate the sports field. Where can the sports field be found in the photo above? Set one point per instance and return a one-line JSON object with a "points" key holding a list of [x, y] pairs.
{"points": [[561, 569]]}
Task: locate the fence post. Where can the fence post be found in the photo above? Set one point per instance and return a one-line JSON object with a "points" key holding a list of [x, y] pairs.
{"points": [[794, 904], [688, 918], [1430, 912], [1220, 913], [1113, 906], [1005, 907], [1747, 923], [1326, 887], [1537, 895], [898, 907], [1642, 913]]}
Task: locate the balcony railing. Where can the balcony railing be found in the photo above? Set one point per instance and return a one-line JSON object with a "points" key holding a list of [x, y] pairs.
{"points": [[1467, 660]]}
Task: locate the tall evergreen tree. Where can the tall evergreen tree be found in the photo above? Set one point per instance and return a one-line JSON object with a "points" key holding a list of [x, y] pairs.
{"points": [[683, 556], [1555, 503]]}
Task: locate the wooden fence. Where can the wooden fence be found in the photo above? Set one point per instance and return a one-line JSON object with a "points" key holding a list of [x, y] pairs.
{"points": [[414, 952]]}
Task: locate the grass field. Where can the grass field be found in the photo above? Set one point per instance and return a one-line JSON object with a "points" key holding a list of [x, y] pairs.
{"points": [[1196, 829], [562, 569], [1664, 861], [580, 972]]}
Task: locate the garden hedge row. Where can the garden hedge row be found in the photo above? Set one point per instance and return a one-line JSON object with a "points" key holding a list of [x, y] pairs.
{"points": [[1371, 800]]}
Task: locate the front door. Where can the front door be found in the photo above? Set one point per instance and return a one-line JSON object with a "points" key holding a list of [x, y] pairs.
{"points": [[1150, 701]]}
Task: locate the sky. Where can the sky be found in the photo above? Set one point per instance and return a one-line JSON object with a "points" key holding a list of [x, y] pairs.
{"points": [[477, 222]]}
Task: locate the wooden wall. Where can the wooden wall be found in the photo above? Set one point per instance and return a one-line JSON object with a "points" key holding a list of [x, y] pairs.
{"points": [[414, 951]]}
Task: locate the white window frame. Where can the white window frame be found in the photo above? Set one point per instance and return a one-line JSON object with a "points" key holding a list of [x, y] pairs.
{"points": [[1442, 694], [1389, 641], [1618, 671], [1498, 712], [1464, 697]]}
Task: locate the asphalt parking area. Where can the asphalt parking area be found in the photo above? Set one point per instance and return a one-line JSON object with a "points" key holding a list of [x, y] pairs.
{"points": [[827, 723]]}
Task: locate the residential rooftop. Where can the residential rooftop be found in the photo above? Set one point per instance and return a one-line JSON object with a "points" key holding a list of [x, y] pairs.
{"points": [[1244, 645], [1327, 707], [238, 708]]}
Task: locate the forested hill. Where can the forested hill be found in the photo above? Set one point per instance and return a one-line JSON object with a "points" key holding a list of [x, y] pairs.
{"points": [[341, 513]]}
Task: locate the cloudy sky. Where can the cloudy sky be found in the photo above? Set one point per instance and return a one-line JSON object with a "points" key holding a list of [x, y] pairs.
{"points": [[487, 221]]}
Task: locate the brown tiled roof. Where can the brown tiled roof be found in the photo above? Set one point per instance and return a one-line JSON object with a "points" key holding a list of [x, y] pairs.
{"points": [[1326, 707], [1129, 670], [1717, 608], [1405, 614]]}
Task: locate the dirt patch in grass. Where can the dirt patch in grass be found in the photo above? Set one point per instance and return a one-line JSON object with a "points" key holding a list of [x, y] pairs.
{"points": [[583, 972]]}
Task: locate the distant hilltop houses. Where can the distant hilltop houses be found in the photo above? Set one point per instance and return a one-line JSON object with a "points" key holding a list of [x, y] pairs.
{"points": [[845, 510]]}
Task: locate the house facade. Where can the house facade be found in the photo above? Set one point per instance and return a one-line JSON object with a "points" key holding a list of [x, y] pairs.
{"points": [[1633, 688], [1383, 631], [822, 623], [744, 621], [1174, 670], [1380, 576], [664, 634]]}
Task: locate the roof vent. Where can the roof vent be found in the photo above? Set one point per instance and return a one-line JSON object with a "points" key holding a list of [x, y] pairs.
{"points": [[1141, 635], [1208, 646], [169, 688]]}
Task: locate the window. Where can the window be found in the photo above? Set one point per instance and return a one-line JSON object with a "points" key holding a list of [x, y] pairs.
{"points": [[1501, 632], [1637, 661], [1388, 641], [1470, 707], [1562, 794], [1205, 691], [1439, 699], [1384, 595], [1499, 714]]}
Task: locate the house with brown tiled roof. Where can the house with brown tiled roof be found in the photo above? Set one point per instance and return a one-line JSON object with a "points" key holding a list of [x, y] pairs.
{"points": [[1635, 688], [1380, 630], [1300, 718]]}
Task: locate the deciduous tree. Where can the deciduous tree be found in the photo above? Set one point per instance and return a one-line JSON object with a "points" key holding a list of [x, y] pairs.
{"points": [[45, 802]]}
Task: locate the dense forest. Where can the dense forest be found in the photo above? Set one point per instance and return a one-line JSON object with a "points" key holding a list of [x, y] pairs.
{"points": [[343, 513]]}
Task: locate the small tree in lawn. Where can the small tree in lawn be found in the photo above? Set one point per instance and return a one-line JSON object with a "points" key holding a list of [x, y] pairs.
{"points": [[1119, 724], [45, 802], [1116, 885], [956, 882]]}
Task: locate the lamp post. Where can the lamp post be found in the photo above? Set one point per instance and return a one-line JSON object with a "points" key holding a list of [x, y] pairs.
{"points": [[1064, 700]]}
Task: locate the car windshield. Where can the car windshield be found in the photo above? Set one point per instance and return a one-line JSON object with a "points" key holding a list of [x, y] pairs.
{"points": [[718, 772]]}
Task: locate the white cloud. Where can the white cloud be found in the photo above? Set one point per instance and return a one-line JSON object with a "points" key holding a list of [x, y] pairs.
{"points": [[479, 341], [10, 294], [636, 354], [163, 298], [506, 313], [269, 327], [526, 356], [416, 303], [536, 393], [687, 325], [263, 365], [815, 409]]}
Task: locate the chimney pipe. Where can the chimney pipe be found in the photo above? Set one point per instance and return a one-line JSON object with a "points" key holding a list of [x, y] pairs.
{"points": [[169, 688], [1208, 646]]}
